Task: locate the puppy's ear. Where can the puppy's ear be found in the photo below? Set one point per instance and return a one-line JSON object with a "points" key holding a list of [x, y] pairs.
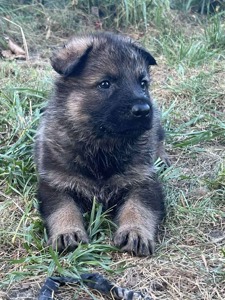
{"points": [[148, 57], [70, 59]]}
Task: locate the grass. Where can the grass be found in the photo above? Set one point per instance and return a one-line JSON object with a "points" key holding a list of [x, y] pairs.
{"points": [[188, 84]]}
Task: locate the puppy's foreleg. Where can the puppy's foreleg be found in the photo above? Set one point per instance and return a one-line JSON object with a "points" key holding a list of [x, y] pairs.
{"points": [[138, 219], [62, 217]]}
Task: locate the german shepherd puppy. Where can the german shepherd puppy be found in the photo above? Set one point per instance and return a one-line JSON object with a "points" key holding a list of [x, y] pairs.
{"points": [[99, 137]]}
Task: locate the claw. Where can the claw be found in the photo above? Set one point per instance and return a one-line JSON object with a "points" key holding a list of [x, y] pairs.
{"points": [[68, 241], [136, 240]]}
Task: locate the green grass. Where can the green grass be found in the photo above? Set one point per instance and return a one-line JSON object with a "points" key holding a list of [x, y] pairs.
{"points": [[188, 84], [37, 260]]}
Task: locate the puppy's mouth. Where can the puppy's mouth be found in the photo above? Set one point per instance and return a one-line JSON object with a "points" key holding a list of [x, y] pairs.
{"points": [[120, 132]]}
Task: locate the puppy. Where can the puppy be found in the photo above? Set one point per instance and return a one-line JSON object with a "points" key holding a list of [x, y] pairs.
{"points": [[99, 137]]}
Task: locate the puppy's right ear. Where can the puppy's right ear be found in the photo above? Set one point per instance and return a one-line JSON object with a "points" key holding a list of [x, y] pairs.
{"points": [[70, 59]]}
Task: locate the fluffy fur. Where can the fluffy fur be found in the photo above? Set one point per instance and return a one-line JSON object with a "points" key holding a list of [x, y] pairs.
{"points": [[99, 137]]}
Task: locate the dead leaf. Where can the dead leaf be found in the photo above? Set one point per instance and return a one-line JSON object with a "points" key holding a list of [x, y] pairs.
{"points": [[17, 50], [8, 54], [48, 33]]}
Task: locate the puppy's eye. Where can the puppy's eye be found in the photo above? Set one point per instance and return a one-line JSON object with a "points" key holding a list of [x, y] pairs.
{"points": [[144, 84], [104, 84]]}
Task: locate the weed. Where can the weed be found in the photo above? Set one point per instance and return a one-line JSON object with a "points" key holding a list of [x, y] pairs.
{"points": [[215, 31]]}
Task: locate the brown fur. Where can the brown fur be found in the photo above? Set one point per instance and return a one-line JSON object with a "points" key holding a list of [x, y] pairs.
{"points": [[66, 226], [137, 226], [90, 144]]}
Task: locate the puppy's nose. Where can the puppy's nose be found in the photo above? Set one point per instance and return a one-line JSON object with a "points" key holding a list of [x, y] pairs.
{"points": [[141, 110]]}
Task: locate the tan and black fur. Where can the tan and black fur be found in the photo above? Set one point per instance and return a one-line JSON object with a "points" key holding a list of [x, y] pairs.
{"points": [[99, 137]]}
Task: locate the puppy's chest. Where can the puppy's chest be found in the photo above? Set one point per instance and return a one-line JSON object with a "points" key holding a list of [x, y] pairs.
{"points": [[100, 167], [101, 176], [106, 189]]}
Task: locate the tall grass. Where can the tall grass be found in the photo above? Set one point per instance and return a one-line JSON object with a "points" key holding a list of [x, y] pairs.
{"points": [[201, 6]]}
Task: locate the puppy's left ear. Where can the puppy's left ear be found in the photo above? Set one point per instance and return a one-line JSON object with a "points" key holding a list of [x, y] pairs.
{"points": [[148, 57]]}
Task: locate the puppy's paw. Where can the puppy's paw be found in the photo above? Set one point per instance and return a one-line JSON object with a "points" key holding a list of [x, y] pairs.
{"points": [[134, 239], [68, 241]]}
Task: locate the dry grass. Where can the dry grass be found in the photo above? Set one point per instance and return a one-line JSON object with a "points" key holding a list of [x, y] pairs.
{"points": [[188, 84]]}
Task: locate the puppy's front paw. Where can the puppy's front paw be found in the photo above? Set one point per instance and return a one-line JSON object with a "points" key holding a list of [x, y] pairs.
{"points": [[134, 239], [68, 241]]}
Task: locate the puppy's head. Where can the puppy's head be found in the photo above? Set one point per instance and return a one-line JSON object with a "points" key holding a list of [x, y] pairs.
{"points": [[103, 85]]}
